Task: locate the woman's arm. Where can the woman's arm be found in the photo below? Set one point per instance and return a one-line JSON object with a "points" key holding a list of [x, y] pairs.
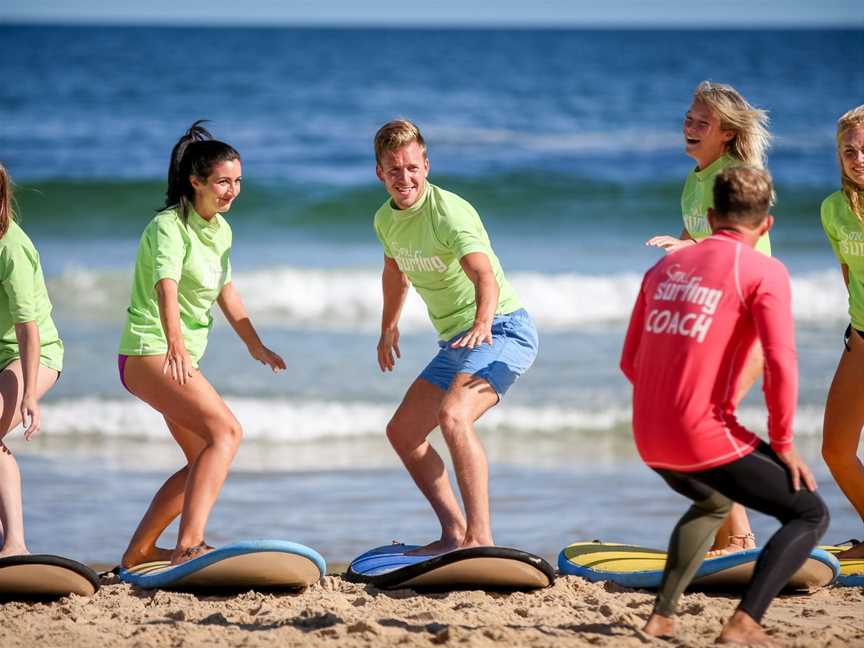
{"points": [[177, 357], [235, 312], [29, 346], [670, 243]]}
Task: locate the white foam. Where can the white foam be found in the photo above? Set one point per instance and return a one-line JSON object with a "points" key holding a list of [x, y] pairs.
{"points": [[283, 420], [350, 299]]}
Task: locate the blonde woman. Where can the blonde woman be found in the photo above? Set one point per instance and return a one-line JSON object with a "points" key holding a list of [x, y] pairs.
{"points": [[721, 130], [843, 221], [31, 357]]}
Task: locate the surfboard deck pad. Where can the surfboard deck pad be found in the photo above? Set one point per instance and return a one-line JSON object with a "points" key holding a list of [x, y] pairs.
{"points": [[262, 564], [46, 576], [390, 567], [640, 567]]}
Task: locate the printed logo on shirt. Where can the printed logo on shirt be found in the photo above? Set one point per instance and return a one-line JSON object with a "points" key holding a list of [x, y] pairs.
{"points": [[696, 223], [851, 243], [411, 261], [683, 287], [213, 278]]}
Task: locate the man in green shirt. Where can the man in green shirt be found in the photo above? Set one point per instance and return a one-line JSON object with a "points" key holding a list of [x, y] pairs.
{"points": [[435, 241]]}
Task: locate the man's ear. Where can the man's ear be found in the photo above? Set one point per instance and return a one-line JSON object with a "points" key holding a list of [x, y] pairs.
{"points": [[766, 225], [712, 218]]}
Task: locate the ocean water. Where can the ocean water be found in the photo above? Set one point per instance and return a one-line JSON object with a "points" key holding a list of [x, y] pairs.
{"points": [[567, 142]]}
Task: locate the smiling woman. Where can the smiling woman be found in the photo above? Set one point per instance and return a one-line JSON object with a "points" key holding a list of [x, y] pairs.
{"points": [[182, 269], [721, 130], [843, 222]]}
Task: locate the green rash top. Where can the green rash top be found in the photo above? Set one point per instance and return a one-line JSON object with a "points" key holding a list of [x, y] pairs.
{"points": [[846, 234], [698, 196], [427, 240], [24, 298], [194, 255]]}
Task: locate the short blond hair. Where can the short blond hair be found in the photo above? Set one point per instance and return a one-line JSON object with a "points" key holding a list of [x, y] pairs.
{"points": [[854, 193], [743, 194], [752, 139], [394, 135]]}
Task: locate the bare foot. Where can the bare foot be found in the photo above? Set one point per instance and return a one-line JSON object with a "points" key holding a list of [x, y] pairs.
{"points": [[742, 629], [132, 558], [435, 548], [855, 551], [473, 542], [14, 550], [660, 626], [185, 555], [736, 543]]}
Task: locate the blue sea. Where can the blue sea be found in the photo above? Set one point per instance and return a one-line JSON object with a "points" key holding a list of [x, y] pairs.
{"points": [[569, 145]]}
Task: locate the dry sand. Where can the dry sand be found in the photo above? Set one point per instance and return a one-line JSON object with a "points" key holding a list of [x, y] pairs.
{"points": [[336, 613]]}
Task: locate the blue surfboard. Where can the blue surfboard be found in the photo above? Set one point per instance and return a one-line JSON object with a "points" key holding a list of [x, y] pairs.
{"points": [[638, 567], [248, 564], [390, 567]]}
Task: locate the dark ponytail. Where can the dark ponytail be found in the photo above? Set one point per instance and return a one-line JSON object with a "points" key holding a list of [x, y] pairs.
{"points": [[194, 154], [7, 214]]}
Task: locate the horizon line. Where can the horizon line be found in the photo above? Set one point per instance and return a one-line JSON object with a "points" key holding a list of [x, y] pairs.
{"points": [[405, 25]]}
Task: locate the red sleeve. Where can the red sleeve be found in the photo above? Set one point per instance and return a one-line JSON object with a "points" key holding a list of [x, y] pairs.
{"points": [[634, 336], [772, 313]]}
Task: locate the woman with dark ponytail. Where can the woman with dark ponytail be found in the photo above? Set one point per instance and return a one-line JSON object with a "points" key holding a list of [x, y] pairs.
{"points": [[31, 357], [182, 269]]}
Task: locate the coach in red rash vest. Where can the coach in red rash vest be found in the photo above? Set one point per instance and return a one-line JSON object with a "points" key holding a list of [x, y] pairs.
{"points": [[698, 314]]}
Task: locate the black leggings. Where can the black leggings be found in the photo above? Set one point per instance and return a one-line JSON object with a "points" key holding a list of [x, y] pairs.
{"points": [[759, 481]]}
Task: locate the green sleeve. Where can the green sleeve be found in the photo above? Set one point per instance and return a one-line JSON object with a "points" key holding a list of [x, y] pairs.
{"points": [[19, 282], [380, 236], [227, 272], [459, 228], [828, 226], [228, 253], [166, 243]]}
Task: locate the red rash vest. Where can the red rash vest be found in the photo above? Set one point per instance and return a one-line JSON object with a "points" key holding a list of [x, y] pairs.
{"points": [[698, 314]]}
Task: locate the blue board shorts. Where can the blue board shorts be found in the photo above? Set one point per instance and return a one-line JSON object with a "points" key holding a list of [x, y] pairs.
{"points": [[513, 349]]}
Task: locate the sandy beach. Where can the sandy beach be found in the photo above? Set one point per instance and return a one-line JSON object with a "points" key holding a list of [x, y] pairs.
{"points": [[334, 612]]}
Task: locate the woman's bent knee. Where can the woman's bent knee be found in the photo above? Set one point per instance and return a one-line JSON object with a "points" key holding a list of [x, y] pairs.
{"points": [[228, 434]]}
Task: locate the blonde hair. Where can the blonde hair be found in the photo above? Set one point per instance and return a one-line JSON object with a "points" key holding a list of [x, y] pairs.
{"points": [[751, 141], [743, 194], [854, 193], [394, 135], [7, 213]]}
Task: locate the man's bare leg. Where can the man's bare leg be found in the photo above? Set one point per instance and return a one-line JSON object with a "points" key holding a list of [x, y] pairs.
{"points": [[407, 431], [466, 401]]}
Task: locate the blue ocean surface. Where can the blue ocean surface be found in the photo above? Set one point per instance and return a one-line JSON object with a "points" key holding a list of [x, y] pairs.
{"points": [[567, 142]]}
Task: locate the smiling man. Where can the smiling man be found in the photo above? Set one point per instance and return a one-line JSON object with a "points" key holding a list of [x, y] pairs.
{"points": [[435, 241]]}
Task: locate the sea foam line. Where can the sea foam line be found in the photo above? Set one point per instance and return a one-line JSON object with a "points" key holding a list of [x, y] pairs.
{"points": [[350, 299], [289, 421]]}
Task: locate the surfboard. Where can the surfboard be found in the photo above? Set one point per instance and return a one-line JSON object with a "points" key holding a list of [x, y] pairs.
{"points": [[45, 576], [851, 569], [389, 567], [639, 567], [270, 564]]}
